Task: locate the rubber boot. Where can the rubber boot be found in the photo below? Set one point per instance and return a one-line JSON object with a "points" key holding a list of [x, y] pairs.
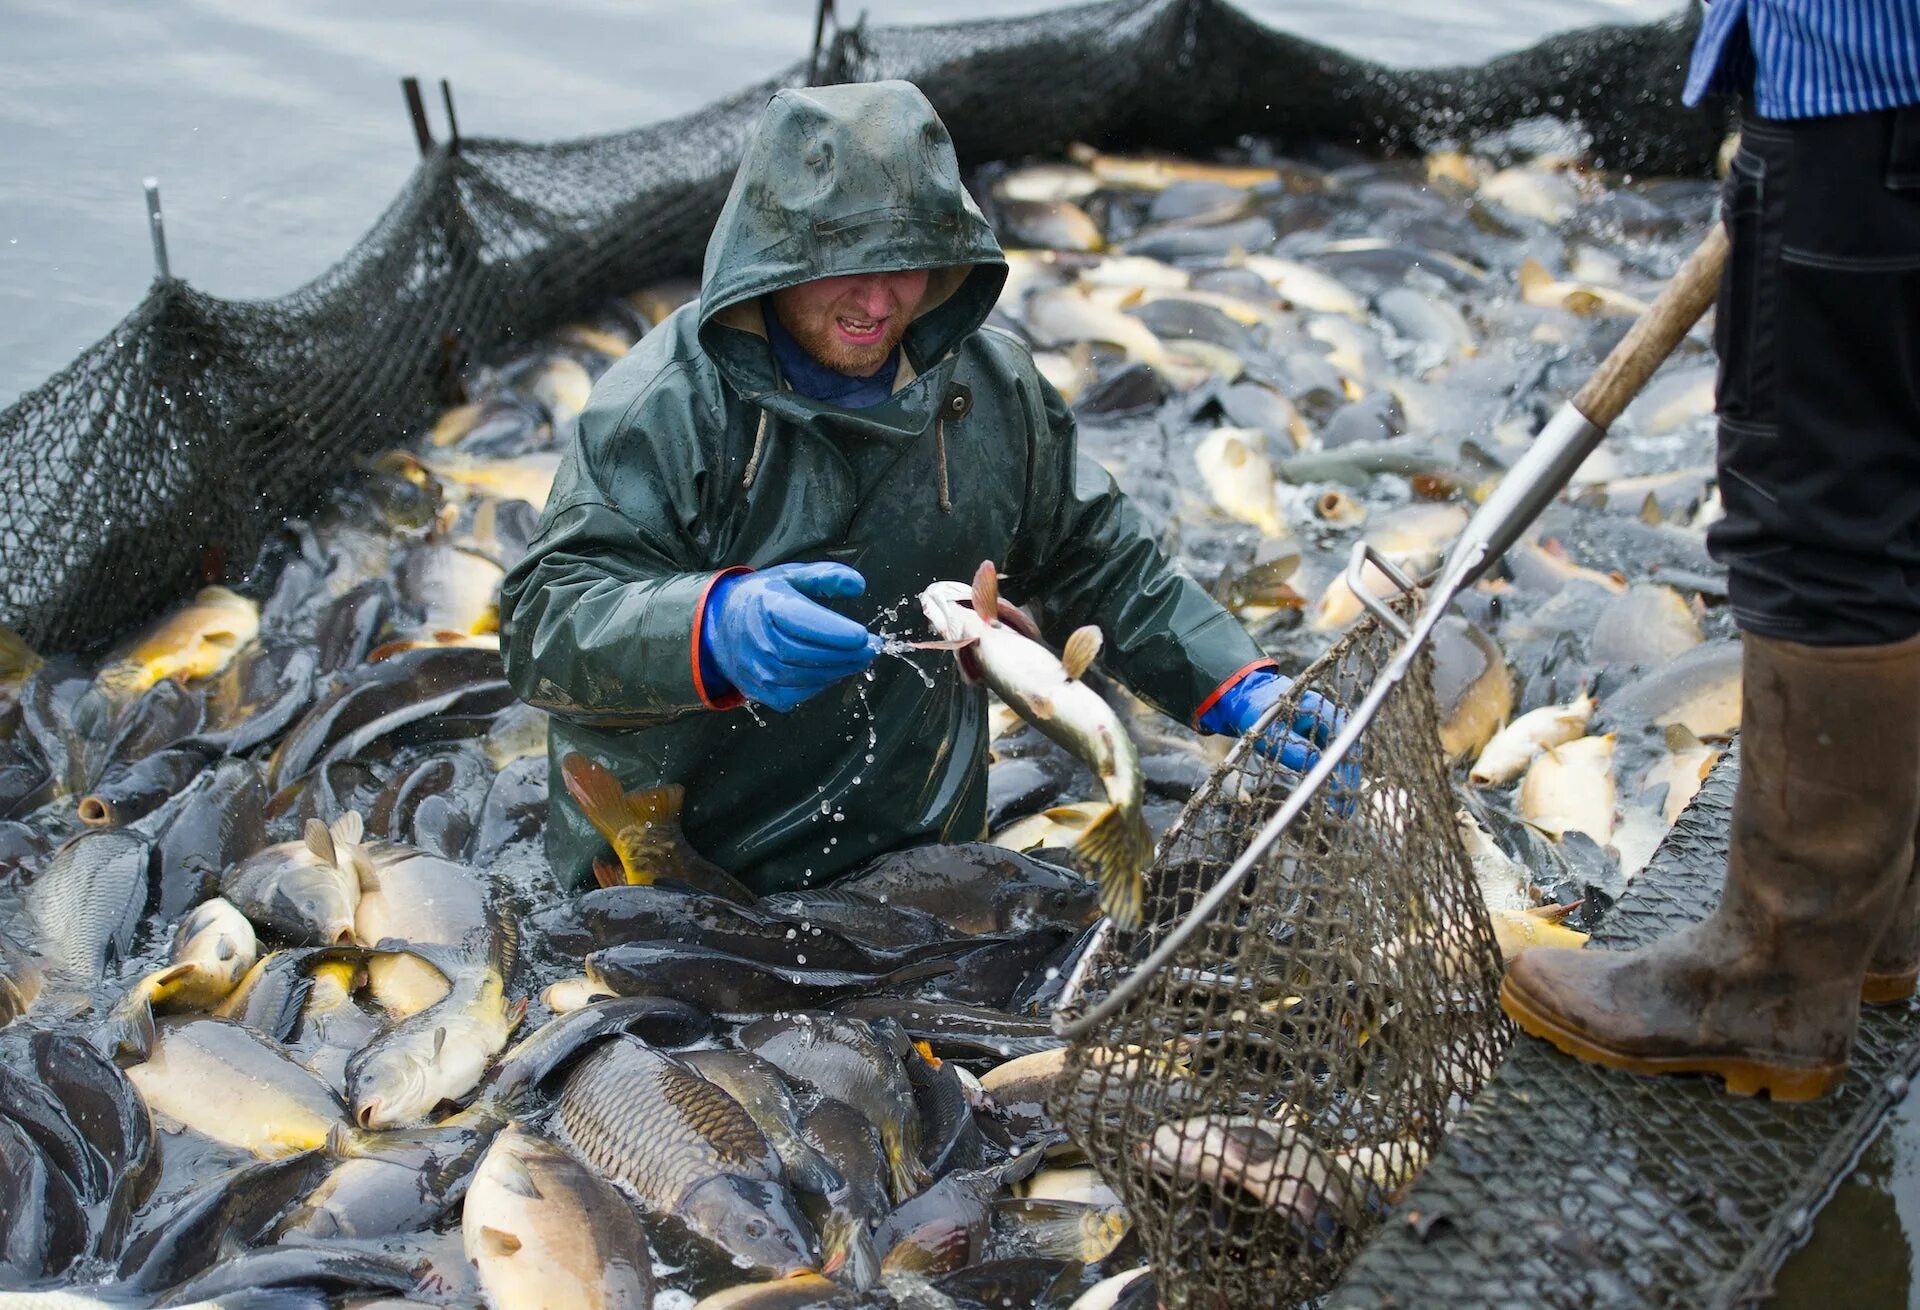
{"points": [[1894, 968], [1765, 992]]}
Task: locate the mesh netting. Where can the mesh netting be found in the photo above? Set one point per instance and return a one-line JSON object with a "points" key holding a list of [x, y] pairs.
{"points": [[1272, 1090], [165, 453], [1571, 1185]]}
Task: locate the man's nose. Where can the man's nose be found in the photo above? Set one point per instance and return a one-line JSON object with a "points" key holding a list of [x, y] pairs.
{"points": [[872, 297]]}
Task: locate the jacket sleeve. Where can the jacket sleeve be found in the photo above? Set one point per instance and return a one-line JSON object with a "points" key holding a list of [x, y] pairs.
{"points": [[1085, 554], [600, 622]]}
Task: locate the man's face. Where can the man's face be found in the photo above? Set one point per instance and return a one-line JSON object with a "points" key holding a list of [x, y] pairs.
{"points": [[851, 324]]}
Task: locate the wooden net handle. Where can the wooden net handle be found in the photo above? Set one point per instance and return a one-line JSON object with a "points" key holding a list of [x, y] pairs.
{"points": [[1655, 333]]}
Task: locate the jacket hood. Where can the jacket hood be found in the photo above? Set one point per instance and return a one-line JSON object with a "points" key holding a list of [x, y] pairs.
{"points": [[859, 178]]}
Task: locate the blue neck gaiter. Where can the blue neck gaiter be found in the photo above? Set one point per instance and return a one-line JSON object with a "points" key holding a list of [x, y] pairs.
{"points": [[815, 380]]}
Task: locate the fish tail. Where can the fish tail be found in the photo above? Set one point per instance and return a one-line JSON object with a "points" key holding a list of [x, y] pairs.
{"points": [[1118, 845], [17, 658], [600, 797], [658, 805], [129, 1030], [1066, 1230], [908, 1176]]}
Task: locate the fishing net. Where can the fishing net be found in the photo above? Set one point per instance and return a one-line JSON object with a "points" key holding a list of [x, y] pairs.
{"points": [[164, 455], [1270, 1092], [1570, 1185]]}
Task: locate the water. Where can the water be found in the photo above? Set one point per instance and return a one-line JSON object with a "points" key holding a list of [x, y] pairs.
{"points": [[278, 132]]}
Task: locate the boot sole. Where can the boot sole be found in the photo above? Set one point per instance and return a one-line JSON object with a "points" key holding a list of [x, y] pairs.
{"points": [[1889, 988], [1744, 1075]]}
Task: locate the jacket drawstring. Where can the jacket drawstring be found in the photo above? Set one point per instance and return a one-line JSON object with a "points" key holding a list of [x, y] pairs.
{"points": [[759, 449], [940, 454]]}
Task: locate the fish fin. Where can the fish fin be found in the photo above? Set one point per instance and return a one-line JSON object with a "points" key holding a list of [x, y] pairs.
{"points": [[388, 649], [608, 874], [158, 985], [986, 592], [280, 1024], [661, 804], [926, 1053], [517, 1178], [1053, 1228], [439, 1041], [319, 841], [906, 1174], [1681, 738], [961, 644], [489, 621], [506, 941], [360, 865], [600, 798], [1583, 302], [1553, 913], [1650, 510], [447, 960], [495, 1242], [515, 1013], [1118, 845], [918, 971], [1042, 706], [348, 829], [1080, 651], [1016, 618], [129, 1030], [1533, 274], [1022, 1166]]}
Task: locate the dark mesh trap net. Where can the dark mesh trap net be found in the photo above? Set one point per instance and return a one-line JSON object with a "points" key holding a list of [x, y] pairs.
{"points": [[164, 455], [1269, 1093]]}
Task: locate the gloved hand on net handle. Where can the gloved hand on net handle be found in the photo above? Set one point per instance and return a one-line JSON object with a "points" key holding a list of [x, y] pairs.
{"points": [[1316, 721], [766, 635]]}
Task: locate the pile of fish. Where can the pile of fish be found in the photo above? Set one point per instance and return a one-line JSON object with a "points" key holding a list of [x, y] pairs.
{"points": [[290, 1000]]}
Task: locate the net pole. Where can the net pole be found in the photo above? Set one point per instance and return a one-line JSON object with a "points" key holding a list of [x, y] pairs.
{"points": [[162, 269]]}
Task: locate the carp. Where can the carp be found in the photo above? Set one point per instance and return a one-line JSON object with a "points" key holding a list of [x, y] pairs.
{"points": [[1048, 693]]}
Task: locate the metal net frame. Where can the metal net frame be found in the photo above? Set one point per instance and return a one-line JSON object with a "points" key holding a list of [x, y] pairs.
{"points": [[1268, 1094], [165, 454]]}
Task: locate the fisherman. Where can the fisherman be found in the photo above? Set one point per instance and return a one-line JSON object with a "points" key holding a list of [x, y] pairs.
{"points": [[1818, 332], [762, 488]]}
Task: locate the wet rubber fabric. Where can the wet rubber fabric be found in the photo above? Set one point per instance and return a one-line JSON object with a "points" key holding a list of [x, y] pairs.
{"points": [[1818, 332], [691, 458]]}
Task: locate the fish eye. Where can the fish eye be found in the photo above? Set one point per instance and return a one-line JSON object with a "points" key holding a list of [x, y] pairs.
{"points": [[756, 1228]]}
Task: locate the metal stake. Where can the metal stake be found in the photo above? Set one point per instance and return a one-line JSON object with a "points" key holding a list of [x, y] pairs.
{"points": [[820, 15], [453, 124], [160, 267], [417, 109]]}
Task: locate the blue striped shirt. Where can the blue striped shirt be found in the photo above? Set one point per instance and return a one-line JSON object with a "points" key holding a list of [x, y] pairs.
{"points": [[1810, 58]]}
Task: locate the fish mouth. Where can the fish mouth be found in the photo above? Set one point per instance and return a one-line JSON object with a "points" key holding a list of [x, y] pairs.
{"points": [[367, 1113], [95, 812]]}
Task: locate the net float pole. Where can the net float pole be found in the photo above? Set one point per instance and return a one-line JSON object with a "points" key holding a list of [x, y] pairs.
{"points": [[453, 124], [822, 12], [161, 269], [417, 110]]}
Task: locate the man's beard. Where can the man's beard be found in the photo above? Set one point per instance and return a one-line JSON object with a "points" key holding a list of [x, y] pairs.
{"points": [[825, 346]]}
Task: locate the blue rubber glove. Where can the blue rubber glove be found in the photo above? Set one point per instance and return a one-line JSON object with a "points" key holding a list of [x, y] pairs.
{"points": [[1316, 720], [764, 634]]}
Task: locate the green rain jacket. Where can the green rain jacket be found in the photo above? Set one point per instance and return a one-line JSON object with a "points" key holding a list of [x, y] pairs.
{"points": [[691, 460]]}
